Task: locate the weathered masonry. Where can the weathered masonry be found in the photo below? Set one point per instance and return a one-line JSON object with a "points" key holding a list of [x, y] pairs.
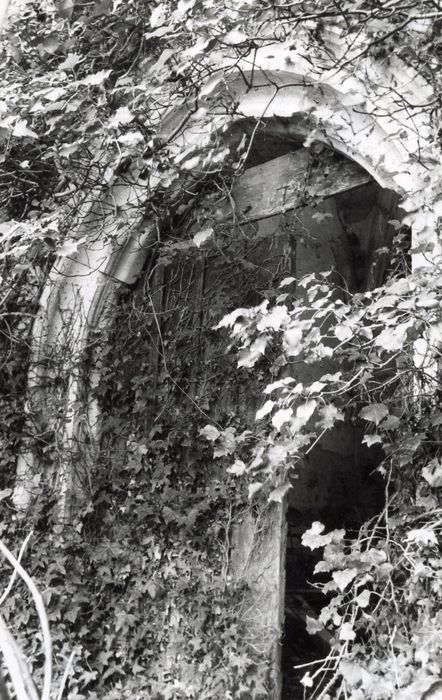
{"points": [[317, 194]]}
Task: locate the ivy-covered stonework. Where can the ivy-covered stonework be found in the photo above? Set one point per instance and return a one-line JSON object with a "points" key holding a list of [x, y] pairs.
{"points": [[114, 117]]}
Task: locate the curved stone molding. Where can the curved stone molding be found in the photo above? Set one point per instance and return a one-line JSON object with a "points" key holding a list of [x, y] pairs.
{"points": [[372, 113]]}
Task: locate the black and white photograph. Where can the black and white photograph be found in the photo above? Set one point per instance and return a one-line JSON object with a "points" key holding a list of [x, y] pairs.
{"points": [[220, 350]]}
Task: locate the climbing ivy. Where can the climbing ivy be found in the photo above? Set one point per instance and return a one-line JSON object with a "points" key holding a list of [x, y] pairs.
{"points": [[142, 574], [384, 590], [83, 91]]}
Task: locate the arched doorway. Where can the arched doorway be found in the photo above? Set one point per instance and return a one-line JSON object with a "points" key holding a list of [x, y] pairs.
{"points": [[303, 212], [274, 83], [309, 100]]}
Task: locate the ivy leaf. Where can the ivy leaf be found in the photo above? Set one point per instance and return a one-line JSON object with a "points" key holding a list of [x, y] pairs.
{"points": [[351, 672], [68, 248], [158, 16], [408, 447], [329, 414], [184, 6], [390, 423], [50, 43], [432, 473], [52, 94], [238, 468], [313, 538], [227, 443], [196, 643], [370, 440], [264, 410], [423, 535], [315, 387], [254, 488], [157, 33], [66, 8], [284, 415], [343, 332], [305, 411], [71, 613], [286, 281], [249, 357], [313, 625], [230, 319], [151, 589], [307, 681], [346, 633], [274, 319], [123, 115], [95, 78], [210, 433], [88, 676], [67, 149], [71, 60], [190, 163], [21, 130], [363, 599], [279, 384], [279, 493], [375, 412], [202, 236], [344, 577], [292, 341], [131, 139], [234, 37], [393, 338], [427, 301], [400, 287]]}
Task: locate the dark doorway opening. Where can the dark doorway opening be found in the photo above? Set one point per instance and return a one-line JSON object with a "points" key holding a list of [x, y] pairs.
{"points": [[338, 485]]}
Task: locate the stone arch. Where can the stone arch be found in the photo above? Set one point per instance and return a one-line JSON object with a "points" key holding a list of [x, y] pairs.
{"points": [[345, 109]]}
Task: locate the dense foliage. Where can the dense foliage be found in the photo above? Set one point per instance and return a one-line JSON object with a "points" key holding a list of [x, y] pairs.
{"points": [[385, 583], [146, 561], [83, 91]]}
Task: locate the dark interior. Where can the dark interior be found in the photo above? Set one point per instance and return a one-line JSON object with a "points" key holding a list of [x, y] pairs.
{"points": [[338, 486]]}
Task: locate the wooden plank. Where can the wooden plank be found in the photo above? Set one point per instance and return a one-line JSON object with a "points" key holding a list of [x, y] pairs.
{"points": [[282, 184], [258, 559]]}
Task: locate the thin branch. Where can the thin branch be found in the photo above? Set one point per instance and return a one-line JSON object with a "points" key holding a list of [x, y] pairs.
{"points": [[14, 573], [43, 618]]}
